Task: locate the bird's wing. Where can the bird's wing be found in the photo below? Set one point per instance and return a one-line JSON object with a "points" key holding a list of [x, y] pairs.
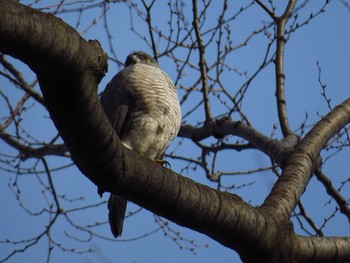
{"points": [[118, 104]]}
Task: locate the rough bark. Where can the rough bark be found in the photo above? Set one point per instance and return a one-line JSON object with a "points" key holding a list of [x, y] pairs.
{"points": [[69, 70]]}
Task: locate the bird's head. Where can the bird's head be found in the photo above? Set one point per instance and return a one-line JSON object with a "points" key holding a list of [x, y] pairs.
{"points": [[140, 57]]}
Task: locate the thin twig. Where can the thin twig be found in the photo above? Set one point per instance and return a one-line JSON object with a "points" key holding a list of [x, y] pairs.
{"points": [[327, 183], [267, 10]]}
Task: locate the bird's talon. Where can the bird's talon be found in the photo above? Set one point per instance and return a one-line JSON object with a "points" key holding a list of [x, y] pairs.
{"points": [[163, 163]]}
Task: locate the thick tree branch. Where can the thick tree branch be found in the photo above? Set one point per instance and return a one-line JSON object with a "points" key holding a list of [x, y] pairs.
{"points": [[322, 249], [69, 69], [301, 164]]}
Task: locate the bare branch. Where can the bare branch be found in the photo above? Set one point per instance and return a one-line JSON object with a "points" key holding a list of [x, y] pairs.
{"points": [[150, 29], [279, 69], [341, 201], [267, 10], [20, 80], [27, 151], [202, 62], [69, 69], [279, 151], [304, 160]]}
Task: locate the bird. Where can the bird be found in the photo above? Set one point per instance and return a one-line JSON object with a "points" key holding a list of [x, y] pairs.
{"points": [[142, 104]]}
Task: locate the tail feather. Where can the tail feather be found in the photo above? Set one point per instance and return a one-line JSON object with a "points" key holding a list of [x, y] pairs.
{"points": [[117, 208]]}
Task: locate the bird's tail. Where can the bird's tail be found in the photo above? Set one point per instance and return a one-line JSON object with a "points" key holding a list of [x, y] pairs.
{"points": [[117, 208]]}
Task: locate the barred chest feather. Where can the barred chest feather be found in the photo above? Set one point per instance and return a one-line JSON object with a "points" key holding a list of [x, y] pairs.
{"points": [[157, 115]]}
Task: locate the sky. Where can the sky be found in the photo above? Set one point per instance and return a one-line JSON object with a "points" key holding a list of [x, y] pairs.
{"points": [[325, 39]]}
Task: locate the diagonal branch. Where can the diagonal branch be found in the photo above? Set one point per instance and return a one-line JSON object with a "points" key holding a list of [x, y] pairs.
{"points": [[69, 69], [341, 201], [302, 163], [267, 10], [21, 82]]}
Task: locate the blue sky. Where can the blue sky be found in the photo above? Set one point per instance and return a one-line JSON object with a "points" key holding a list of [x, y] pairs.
{"points": [[326, 39]]}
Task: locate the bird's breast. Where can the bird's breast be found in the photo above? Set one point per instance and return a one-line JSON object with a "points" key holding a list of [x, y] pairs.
{"points": [[157, 114]]}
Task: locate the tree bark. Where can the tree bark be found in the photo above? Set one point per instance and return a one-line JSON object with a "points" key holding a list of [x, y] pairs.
{"points": [[69, 70]]}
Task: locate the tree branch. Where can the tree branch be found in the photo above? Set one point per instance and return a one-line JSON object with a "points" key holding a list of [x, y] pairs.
{"points": [[279, 151], [27, 151], [267, 10], [279, 69], [302, 162], [202, 62], [69, 69], [150, 28], [341, 201], [322, 249], [21, 82]]}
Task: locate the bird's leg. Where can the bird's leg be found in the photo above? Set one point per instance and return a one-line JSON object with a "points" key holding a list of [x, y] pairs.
{"points": [[161, 162]]}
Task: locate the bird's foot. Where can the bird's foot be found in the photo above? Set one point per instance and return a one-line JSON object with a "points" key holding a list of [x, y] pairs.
{"points": [[163, 163]]}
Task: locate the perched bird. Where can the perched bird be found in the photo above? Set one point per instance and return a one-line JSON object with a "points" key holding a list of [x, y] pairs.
{"points": [[142, 105]]}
